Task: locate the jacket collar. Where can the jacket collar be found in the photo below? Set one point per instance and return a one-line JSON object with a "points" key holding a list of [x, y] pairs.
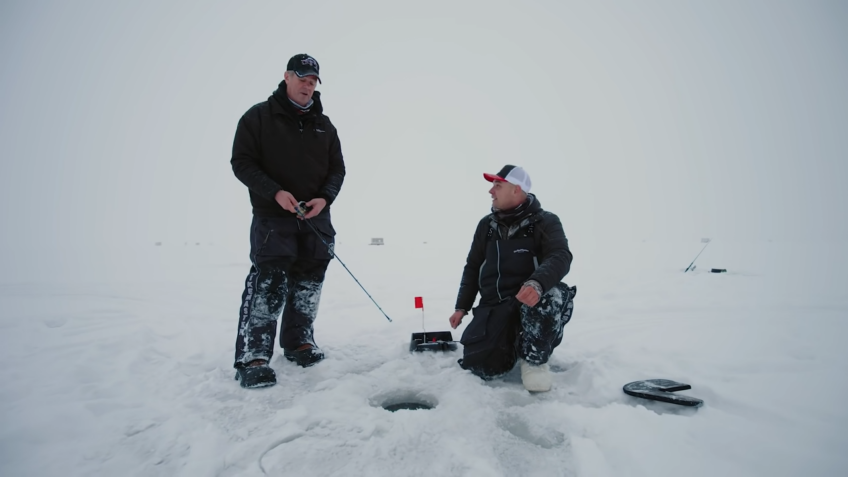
{"points": [[507, 223], [519, 213], [281, 104]]}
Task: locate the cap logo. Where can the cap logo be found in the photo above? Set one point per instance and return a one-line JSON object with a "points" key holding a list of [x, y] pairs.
{"points": [[309, 61]]}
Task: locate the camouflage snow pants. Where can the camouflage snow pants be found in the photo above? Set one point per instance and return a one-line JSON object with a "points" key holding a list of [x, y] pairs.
{"points": [[499, 335], [541, 326], [289, 262]]}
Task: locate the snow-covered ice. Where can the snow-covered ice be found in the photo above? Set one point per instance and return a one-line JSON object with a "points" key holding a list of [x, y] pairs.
{"points": [[131, 374]]}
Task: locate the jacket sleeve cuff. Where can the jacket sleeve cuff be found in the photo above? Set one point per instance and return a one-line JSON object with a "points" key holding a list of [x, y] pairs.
{"points": [[536, 286], [272, 193], [325, 196]]}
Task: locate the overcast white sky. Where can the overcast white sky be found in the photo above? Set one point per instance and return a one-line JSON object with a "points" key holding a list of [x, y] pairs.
{"points": [[643, 120]]}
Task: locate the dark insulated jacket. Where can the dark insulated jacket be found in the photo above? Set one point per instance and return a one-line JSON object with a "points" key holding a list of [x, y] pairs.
{"points": [[276, 147], [505, 255]]}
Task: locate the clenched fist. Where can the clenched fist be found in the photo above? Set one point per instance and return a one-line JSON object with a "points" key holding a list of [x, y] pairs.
{"points": [[528, 295]]}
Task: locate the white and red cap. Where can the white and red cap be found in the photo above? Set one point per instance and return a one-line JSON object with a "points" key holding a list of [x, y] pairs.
{"points": [[512, 174]]}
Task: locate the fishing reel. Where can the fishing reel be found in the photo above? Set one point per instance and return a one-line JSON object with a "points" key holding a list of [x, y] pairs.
{"points": [[303, 209]]}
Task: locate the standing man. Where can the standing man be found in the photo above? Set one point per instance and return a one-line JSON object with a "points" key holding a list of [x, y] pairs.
{"points": [[518, 257], [287, 153]]}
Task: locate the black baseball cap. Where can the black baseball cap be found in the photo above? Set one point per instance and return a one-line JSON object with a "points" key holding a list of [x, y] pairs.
{"points": [[303, 65]]}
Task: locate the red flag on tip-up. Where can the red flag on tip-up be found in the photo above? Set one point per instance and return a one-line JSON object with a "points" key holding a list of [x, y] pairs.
{"points": [[419, 302]]}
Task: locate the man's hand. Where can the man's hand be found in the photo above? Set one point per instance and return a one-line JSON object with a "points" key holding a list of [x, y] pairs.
{"points": [[286, 201], [317, 206], [456, 318], [528, 295]]}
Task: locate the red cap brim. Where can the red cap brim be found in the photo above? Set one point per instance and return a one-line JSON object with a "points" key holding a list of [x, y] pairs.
{"points": [[493, 177]]}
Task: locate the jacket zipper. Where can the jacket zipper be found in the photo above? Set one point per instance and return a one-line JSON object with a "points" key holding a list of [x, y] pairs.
{"points": [[498, 282]]}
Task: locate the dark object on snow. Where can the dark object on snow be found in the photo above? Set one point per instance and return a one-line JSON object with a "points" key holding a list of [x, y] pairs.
{"points": [[662, 390], [410, 406], [433, 341], [256, 376], [305, 357], [719, 270]]}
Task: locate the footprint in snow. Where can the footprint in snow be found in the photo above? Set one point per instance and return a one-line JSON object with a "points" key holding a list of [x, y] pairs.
{"points": [[540, 436], [55, 322]]}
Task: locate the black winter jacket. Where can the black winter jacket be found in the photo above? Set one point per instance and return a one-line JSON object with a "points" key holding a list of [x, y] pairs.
{"points": [[506, 252], [277, 147]]}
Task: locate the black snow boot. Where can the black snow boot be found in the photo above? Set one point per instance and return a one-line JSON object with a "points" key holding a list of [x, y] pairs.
{"points": [[258, 375], [304, 357]]}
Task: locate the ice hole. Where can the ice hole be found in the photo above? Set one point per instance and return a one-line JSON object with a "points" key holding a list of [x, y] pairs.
{"points": [[405, 400]]}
